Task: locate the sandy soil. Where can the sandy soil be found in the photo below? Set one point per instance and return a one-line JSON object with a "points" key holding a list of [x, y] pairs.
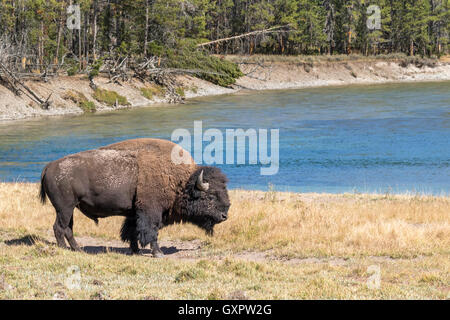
{"points": [[276, 75], [300, 75]]}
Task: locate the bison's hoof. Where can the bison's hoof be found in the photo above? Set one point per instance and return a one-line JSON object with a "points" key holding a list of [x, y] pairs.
{"points": [[158, 254]]}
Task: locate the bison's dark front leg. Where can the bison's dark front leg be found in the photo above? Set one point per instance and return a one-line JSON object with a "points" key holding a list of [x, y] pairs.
{"points": [[128, 233], [147, 226], [156, 251]]}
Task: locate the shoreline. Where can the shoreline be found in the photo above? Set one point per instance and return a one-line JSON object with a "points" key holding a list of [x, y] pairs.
{"points": [[279, 75], [305, 195]]}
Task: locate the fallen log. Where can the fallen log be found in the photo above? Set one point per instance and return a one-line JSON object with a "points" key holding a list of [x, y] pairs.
{"points": [[9, 84], [42, 103], [46, 104], [269, 30]]}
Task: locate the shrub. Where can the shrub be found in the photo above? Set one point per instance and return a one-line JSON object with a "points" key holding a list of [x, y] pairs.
{"points": [[149, 92], [110, 97], [73, 70], [95, 68], [213, 69], [180, 91], [88, 106], [81, 101]]}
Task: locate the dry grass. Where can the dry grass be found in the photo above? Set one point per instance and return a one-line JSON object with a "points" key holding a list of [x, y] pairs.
{"points": [[150, 91], [330, 239], [296, 225], [110, 98]]}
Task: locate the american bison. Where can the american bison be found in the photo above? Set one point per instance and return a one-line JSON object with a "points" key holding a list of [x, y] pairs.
{"points": [[136, 179]]}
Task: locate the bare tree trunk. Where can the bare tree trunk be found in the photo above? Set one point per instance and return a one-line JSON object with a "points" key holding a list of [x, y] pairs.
{"points": [[60, 29], [79, 49], [146, 27], [94, 38], [41, 46], [85, 39]]}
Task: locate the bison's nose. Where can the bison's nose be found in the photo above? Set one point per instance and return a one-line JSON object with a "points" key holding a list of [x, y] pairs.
{"points": [[224, 216]]}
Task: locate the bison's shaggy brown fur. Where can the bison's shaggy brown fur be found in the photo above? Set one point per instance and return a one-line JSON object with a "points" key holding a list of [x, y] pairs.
{"points": [[136, 179]]}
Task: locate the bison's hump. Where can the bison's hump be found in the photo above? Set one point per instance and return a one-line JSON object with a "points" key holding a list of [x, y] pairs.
{"points": [[142, 144]]}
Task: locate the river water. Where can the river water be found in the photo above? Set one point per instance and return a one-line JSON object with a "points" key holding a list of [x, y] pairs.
{"points": [[381, 138]]}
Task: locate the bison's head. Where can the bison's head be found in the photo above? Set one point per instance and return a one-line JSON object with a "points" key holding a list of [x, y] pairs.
{"points": [[205, 200]]}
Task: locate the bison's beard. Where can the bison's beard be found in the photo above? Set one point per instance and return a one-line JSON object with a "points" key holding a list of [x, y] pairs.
{"points": [[205, 224], [209, 229]]}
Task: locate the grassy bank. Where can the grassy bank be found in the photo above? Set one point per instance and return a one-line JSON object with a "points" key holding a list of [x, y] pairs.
{"points": [[274, 245]]}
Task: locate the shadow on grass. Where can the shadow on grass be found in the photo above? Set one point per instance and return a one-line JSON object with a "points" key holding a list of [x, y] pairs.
{"points": [[30, 240], [127, 251]]}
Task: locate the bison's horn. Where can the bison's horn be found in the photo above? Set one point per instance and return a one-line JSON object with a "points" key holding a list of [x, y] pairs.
{"points": [[203, 186]]}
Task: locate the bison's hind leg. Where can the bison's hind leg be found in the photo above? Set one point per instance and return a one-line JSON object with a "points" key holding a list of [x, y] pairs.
{"points": [[64, 201], [129, 233], [59, 234], [69, 236], [63, 227]]}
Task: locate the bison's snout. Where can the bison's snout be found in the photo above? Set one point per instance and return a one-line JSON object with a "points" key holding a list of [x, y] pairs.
{"points": [[224, 216]]}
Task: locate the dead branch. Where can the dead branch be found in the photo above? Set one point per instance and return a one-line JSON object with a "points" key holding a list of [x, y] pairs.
{"points": [[14, 81], [269, 30]]}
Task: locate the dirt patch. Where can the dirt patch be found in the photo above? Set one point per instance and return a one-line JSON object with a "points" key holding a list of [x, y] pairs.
{"points": [[191, 250], [171, 249]]}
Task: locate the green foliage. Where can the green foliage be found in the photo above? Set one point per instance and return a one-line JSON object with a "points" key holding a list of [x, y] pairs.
{"points": [[95, 68], [211, 68], [180, 91], [169, 29], [110, 98], [149, 92], [72, 70], [88, 106], [81, 100]]}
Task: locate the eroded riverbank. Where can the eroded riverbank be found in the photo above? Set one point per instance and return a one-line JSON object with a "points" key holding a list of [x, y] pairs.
{"points": [[288, 74]]}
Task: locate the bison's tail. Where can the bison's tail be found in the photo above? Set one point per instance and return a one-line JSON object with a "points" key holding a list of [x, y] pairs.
{"points": [[42, 193]]}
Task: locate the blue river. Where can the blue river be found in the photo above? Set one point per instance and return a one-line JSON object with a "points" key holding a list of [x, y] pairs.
{"points": [[391, 138]]}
